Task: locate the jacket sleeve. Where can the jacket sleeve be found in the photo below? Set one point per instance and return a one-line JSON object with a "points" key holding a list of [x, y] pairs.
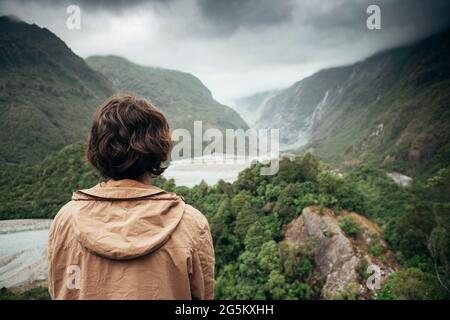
{"points": [[202, 277], [50, 259]]}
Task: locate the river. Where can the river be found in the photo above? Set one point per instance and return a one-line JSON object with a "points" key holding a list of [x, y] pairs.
{"points": [[23, 248], [210, 168]]}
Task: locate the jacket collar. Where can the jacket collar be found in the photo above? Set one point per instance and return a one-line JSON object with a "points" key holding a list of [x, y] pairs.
{"points": [[117, 190]]}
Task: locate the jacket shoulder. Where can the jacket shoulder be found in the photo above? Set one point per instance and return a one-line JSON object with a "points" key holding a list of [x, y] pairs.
{"points": [[195, 217], [61, 221], [64, 213], [196, 225]]}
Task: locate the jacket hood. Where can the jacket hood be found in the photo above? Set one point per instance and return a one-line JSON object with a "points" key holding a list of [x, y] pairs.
{"points": [[125, 219]]}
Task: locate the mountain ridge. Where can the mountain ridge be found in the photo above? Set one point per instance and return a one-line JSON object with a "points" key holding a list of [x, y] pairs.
{"points": [[382, 110], [180, 95], [48, 95]]}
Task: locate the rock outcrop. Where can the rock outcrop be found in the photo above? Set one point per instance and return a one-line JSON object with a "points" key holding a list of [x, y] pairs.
{"points": [[342, 260]]}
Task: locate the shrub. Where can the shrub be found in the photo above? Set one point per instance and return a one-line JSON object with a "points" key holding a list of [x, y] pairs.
{"points": [[37, 293], [349, 293], [376, 249], [411, 284], [350, 227]]}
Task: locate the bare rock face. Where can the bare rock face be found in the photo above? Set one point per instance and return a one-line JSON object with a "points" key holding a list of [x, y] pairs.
{"points": [[340, 259]]}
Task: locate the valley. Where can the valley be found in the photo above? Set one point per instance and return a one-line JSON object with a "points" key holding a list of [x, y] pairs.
{"points": [[49, 94], [364, 177], [390, 110]]}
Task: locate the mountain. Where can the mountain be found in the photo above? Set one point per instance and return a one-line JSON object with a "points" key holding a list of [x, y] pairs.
{"points": [[48, 94], [250, 107], [181, 96], [392, 109]]}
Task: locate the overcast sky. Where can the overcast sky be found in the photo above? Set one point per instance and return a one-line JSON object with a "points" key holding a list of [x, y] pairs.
{"points": [[237, 48]]}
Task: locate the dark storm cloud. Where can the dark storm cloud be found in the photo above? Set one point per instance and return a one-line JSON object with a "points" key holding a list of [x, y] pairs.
{"points": [[237, 47], [417, 15], [108, 5], [223, 17], [228, 15], [420, 16]]}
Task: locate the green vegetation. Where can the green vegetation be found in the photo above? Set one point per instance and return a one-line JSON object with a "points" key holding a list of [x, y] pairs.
{"points": [[48, 95], [182, 97], [411, 284], [422, 233], [376, 249], [349, 293], [39, 190], [37, 293], [247, 218], [396, 116], [350, 227]]}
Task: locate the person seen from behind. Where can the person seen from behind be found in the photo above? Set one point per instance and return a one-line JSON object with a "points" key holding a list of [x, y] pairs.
{"points": [[125, 238]]}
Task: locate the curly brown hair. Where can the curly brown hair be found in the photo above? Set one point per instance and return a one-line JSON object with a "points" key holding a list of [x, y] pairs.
{"points": [[129, 138]]}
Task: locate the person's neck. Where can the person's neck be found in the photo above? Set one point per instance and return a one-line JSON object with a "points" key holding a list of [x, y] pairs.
{"points": [[144, 179]]}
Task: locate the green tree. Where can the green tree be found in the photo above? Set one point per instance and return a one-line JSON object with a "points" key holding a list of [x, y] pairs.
{"points": [[269, 257], [411, 284], [277, 287], [245, 213], [256, 236], [288, 204], [226, 244], [301, 169]]}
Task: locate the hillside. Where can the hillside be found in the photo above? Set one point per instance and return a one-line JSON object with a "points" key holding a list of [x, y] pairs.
{"points": [[308, 232], [182, 97], [276, 237], [48, 94], [39, 190], [250, 107], [391, 109]]}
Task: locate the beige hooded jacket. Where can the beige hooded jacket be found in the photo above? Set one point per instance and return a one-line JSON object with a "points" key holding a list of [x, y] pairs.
{"points": [[128, 240]]}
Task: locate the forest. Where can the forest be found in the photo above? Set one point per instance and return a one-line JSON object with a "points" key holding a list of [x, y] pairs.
{"points": [[314, 230], [248, 220]]}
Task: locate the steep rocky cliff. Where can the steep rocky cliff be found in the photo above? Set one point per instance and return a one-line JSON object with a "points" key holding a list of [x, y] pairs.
{"points": [[391, 109], [250, 107]]}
